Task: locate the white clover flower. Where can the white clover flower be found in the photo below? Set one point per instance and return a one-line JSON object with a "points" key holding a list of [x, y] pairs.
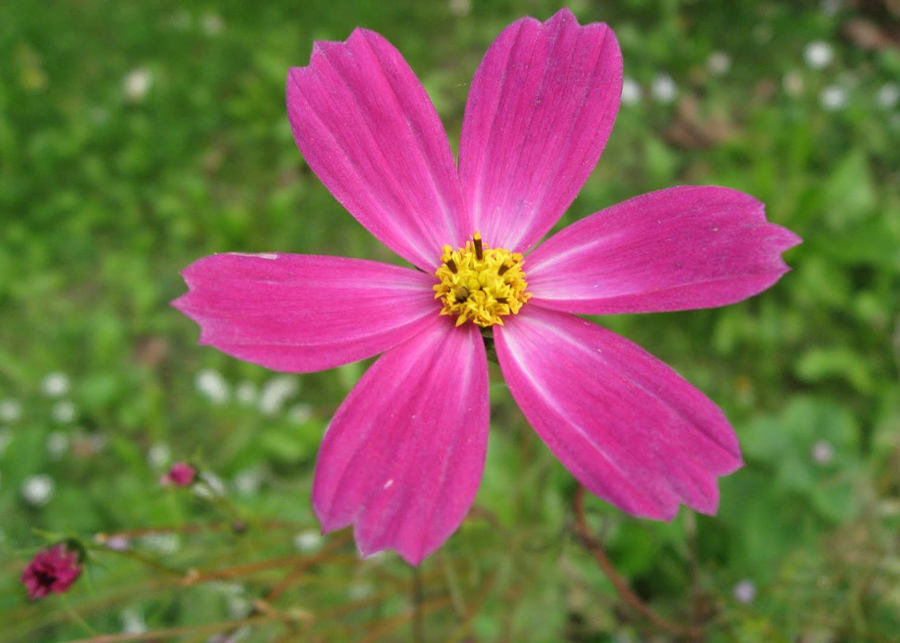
{"points": [[888, 95], [63, 412], [132, 621], [248, 481], [246, 392], [159, 455], [55, 384], [631, 91], [38, 490], [359, 590], [212, 386], [276, 392], [744, 592], [10, 410], [213, 486], [239, 606], [164, 543], [308, 541], [818, 54], [833, 98], [460, 8], [212, 24], [57, 443], [300, 413], [822, 452], [117, 543], [718, 63], [137, 84], [663, 88]]}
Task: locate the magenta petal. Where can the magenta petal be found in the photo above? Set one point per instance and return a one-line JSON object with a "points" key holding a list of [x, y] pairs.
{"points": [[541, 107], [301, 313], [403, 456], [368, 130], [675, 249], [627, 426]]}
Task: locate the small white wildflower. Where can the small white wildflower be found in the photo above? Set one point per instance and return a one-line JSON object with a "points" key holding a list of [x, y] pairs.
{"points": [[300, 413], [359, 590], [833, 98], [276, 392], [308, 540], [239, 606], [822, 452], [818, 54], [663, 88], [164, 543], [208, 486], [212, 386], [246, 392], [38, 490], [132, 621], [57, 444], [888, 95], [10, 410], [63, 412], [718, 63], [159, 455], [137, 84], [248, 481], [212, 24], [744, 592], [56, 384], [631, 91], [118, 543], [460, 8]]}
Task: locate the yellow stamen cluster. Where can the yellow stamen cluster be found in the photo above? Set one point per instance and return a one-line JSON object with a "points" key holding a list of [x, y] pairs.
{"points": [[480, 283]]}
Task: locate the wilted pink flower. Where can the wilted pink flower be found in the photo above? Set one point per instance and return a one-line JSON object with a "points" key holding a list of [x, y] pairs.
{"points": [[51, 570], [404, 454], [180, 474]]}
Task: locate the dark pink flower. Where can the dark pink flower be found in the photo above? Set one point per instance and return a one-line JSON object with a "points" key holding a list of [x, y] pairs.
{"points": [[180, 474], [404, 454], [51, 570]]}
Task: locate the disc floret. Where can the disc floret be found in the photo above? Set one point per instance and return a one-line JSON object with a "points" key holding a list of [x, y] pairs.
{"points": [[480, 283]]}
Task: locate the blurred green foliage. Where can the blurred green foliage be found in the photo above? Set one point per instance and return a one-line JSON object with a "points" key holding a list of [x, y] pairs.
{"points": [[137, 137]]}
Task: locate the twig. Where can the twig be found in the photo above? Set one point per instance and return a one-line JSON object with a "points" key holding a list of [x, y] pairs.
{"points": [[624, 591], [418, 635]]}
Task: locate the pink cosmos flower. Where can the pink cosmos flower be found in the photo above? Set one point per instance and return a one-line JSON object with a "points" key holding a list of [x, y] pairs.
{"points": [[51, 570], [402, 459], [180, 474]]}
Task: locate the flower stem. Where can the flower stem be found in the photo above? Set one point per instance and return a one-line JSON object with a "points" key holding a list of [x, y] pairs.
{"points": [[593, 545]]}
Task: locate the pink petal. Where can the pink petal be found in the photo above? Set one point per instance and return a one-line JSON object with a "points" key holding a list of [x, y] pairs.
{"points": [[627, 426], [403, 456], [675, 249], [301, 313], [368, 130], [541, 107]]}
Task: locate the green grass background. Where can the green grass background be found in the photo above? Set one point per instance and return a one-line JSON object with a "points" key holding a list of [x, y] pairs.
{"points": [[104, 198]]}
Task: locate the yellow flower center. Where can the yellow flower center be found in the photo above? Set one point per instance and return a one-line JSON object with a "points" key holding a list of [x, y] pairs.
{"points": [[481, 283]]}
